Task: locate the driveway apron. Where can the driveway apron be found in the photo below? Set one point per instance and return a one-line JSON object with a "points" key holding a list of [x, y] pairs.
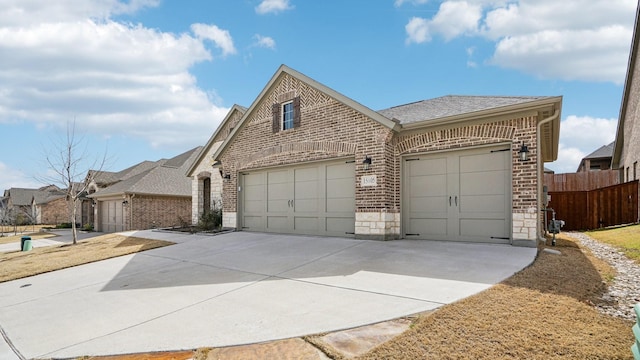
{"points": [[241, 288]]}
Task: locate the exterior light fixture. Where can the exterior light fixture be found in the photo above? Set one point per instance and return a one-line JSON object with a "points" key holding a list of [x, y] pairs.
{"points": [[226, 177], [523, 153], [367, 162], [125, 203]]}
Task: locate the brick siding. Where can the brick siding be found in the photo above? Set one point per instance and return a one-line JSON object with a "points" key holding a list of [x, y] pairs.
{"points": [[330, 130], [155, 212]]}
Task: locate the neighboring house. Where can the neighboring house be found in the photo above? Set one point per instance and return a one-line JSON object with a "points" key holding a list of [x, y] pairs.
{"points": [[626, 153], [20, 202], [144, 196], [597, 160], [50, 207], [305, 159]]}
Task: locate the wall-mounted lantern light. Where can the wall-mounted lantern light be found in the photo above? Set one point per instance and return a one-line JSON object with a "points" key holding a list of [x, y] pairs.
{"points": [[523, 152], [125, 203], [366, 162], [226, 177]]}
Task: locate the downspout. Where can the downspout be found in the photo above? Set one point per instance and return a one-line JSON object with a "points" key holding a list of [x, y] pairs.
{"points": [[555, 115]]}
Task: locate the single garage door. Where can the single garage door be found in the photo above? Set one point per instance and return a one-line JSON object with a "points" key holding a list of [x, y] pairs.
{"points": [[314, 199], [111, 216], [458, 196]]}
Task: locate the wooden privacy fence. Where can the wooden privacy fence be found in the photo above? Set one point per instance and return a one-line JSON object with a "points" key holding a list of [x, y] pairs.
{"points": [[588, 210], [581, 181]]}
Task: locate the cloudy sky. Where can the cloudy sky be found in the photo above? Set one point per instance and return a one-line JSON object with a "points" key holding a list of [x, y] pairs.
{"points": [[149, 79]]}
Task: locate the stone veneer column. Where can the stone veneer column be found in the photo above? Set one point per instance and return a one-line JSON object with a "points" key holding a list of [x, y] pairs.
{"points": [[377, 225]]}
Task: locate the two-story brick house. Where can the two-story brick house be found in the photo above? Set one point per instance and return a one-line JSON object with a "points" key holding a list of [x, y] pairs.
{"points": [[305, 159]]}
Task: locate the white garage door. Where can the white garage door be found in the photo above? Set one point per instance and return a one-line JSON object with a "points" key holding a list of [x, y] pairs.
{"points": [[111, 216], [459, 196], [315, 199]]}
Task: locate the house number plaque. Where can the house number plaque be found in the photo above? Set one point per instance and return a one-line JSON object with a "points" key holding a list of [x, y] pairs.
{"points": [[368, 180]]}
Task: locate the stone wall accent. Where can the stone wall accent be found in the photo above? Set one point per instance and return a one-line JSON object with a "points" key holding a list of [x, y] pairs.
{"points": [[229, 219], [378, 225], [202, 171]]}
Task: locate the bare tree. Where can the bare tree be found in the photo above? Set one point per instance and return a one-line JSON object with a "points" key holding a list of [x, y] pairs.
{"points": [[68, 162]]}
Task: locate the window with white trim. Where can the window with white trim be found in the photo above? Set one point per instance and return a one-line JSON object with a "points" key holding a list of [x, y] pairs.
{"points": [[287, 115]]}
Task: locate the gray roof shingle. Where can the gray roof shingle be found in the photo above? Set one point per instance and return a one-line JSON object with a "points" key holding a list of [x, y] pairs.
{"points": [[451, 105], [166, 177], [605, 151]]}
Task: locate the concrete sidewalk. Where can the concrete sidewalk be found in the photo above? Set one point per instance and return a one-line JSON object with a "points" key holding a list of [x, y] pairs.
{"points": [[62, 236], [241, 288]]}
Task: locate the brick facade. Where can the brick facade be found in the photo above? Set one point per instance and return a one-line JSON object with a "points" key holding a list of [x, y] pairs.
{"points": [[331, 129], [54, 212], [150, 212]]}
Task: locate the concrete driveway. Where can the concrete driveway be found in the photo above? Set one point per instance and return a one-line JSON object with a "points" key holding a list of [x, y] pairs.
{"points": [[240, 288]]}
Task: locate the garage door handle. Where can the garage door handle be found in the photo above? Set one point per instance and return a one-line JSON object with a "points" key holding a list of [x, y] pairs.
{"points": [[456, 200], [289, 203], [449, 200]]}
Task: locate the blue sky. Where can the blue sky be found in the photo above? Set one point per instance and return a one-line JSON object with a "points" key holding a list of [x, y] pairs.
{"points": [[149, 79]]}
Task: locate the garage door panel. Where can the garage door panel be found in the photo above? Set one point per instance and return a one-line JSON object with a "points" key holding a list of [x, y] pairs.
{"points": [[318, 199], [435, 204], [488, 228], [426, 186], [492, 182], [340, 226], [277, 223], [429, 167], [305, 224], [478, 183], [482, 162], [341, 205], [253, 222], [483, 203], [428, 228]]}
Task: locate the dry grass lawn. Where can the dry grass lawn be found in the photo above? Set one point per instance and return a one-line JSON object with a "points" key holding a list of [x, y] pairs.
{"points": [[18, 264], [543, 312], [625, 238]]}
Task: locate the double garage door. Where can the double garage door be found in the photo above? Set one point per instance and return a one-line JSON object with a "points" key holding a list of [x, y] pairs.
{"points": [[111, 216], [458, 196], [314, 199]]}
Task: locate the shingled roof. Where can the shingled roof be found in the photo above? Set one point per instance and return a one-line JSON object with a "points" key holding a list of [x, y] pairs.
{"points": [[163, 177], [605, 151], [452, 105]]}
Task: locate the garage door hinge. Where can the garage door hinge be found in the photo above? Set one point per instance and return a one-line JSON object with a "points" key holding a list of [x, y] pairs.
{"points": [[411, 159], [500, 150], [412, 234], [500, 237]]}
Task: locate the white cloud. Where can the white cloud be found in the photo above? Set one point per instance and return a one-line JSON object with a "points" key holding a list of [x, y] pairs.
{"points": [[15, 178], [571, 40], [273, 6], [264, 41], [455, 18], [220, 37], [417, 30], [114, 78], [399, 3], [580, 136]]}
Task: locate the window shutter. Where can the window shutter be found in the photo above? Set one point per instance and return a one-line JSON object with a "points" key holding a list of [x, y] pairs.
{"points": [[275, 110], [296, 112]]}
